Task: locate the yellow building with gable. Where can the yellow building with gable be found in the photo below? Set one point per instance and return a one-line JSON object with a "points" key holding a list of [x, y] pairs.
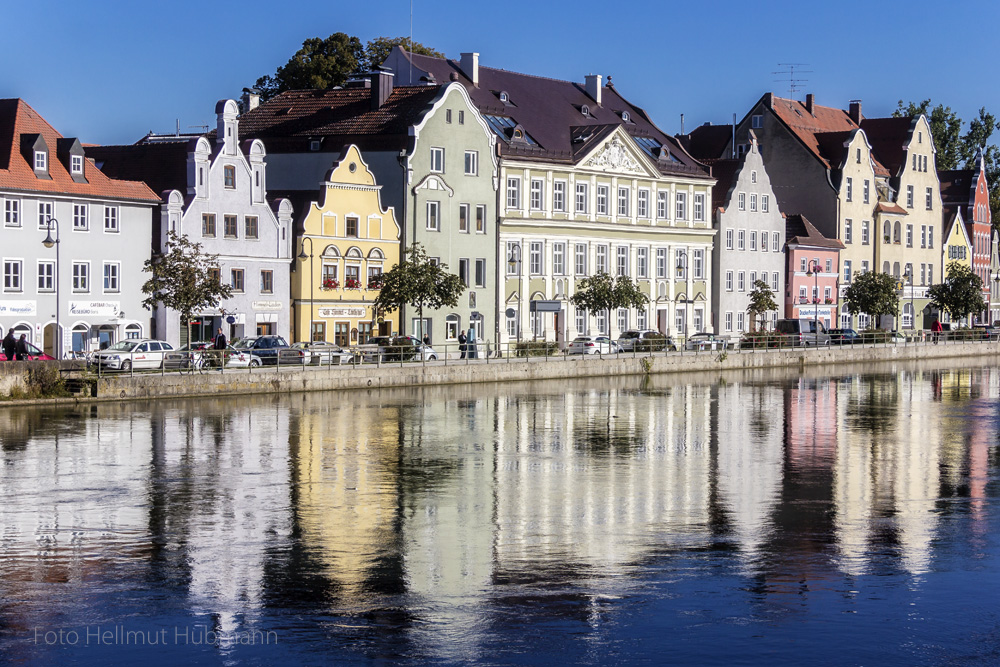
{"points": [[347, 240]]}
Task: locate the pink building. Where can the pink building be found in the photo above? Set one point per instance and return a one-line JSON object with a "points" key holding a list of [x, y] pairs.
{"points": [[812, 269]]}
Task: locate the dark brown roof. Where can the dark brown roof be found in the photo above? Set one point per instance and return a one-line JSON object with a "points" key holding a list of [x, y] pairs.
{"points": [[707, 142], [290, 120], [18, 119], [798, 230], [724, 171], [162, 166], [549, 110], [887, 137], [956, 186]]}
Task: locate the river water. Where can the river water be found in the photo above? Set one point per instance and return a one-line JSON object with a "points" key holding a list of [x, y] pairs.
{"points": [[774, 517]]}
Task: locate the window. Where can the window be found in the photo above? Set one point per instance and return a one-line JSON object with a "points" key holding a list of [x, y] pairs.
{"points": [[729, 239], [513, 193], [640, 319], [741, 281], [433, 216], [699, 207], [729, 320], [250, 226], [909, 236], [76, 164], [865, 232], [513, 252], [803, 265], [535, 265], [236, 280], [776, 242], [642, 204], [602, 200], [463, 218], [80, 217], [864, 266], [267, 282], [662, 204], [111, 270], [930, 237], [850, 188], [763, 242], [774, 281], [829, 266], [756, 121], [865, 190], [765, 203], [622, 319], [623, 197], [81, 276], [45, 213], [463, 270], [437, 160], [481, 272], [622, 260], [642, 262], [802, 294], [559, 196], [698, 264], [581, 259], [229, 176], [741, 200], [480, 219], [461, 117], [909, 196], [602, 259], [537, 188], [12, 275], [682, 206], [923, 236], [753, 240], [230, 226], [215, 275], [848, 231], [46, 276], [740, 318], [581, 197], [111, 218], [581, 320], [753, 201], [602, 322], [681, 264], [929, 199], [208, 224], [41, 161], [661, 263], [729, 281], [447, 115], [12, 212], [930, 274], [559, 259], [741, 240]]}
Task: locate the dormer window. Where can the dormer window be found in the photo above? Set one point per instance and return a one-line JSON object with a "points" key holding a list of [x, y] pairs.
{"points": [[504, 97], [76, 164], [626, 117], [585, 110], [314, 145], [41, 161], [229, 174]]}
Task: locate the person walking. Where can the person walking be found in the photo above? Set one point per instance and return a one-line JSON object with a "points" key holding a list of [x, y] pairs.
{"points": [[219, 345], [21, 351], [937, 329], [9, 345], [461, 344]]}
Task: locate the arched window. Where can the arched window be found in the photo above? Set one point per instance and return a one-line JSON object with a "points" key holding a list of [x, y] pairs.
{"points": [[897, 232], [886, 231], [331, 251], [133, 331], [885, 268], [452, 325]]}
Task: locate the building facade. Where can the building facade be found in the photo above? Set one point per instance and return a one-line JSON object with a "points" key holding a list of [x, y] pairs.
{"points": [[84, 292], [347, 240], [812, 270]]}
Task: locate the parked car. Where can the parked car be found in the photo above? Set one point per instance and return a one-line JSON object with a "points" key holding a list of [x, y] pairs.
{"points": [[426, 351], [591, 345], [131, 354], [324, 353], [644, 340], [706, 341], [202, 355], [395, 348], [844, 336], [267, 348], [803, 331], [34, 354]]}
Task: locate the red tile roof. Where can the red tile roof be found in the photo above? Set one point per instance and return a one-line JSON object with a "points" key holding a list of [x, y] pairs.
{"points": [[17, 118]]}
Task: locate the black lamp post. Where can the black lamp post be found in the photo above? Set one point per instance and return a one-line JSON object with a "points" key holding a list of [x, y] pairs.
{"points": [[514, 264], [312, 279], [48, 242], [815, 273], [682, 257]]}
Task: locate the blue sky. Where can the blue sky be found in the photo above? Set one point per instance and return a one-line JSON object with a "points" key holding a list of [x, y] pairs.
{"points": [[108, 72]]}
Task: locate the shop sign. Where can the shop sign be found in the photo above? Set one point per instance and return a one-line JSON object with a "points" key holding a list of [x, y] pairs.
{"points": [[18, 308], [266, 305], [326, 313], [94, 308]]}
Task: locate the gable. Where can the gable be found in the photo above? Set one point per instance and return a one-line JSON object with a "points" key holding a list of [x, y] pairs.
{"points": [[618, 154]]}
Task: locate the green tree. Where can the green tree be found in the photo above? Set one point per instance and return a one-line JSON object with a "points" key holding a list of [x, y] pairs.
{"points": [[377, 50], [601, 292], [960, 294], [418, 282], [946, 128], [761, 302], [874, 294], [184, 279], [326, 63]]}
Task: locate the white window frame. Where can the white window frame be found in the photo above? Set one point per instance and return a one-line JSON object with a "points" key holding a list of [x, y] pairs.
{"points": [[437, 160], [536, 264], [433, 221], [559, 196], [537, 196], [46, 273], [681, 200], [81, 277], [582, 196], [698, 263], [76, 164], [471, 163], [661, 263], [111, 273], [624, 195], [601, 263], [11, 212], [603, 192], [13, 275], [663, 205], [558, 259], [699, 207], [621, 260], [513, 192], [642, 203], [729, 281], [112, 222], [580, 259], [81, 217], [642, 263], [730, 233]]}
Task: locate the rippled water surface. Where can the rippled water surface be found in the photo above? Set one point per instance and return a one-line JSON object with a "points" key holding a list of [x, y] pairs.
{"points": [[772, 518]]}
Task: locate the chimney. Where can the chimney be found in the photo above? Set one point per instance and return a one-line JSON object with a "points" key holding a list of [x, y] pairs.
{"points": [[855, 111], [470, 67], [810, 100], [594, 87], [251, 99], [381, 87]]}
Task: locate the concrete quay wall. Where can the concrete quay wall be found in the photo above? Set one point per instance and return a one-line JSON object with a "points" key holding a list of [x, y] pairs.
{"points": [[287, 380]]}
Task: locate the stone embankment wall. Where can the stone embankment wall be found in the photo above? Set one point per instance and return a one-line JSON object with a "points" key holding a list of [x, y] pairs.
{"points": [[286, 380]]}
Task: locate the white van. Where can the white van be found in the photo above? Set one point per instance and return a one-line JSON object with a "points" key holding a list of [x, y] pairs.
{"points": [[803, 332]]}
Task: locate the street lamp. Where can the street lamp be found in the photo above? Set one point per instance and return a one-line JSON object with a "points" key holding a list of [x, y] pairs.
{"points": [[815, 272], [993, 295], [48, 243], [682, 270], [312, 278], [909, 280], [514, 264]]}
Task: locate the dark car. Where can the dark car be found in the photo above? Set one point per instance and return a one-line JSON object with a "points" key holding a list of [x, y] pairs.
{"points": [[264, 347], [844, 336]]}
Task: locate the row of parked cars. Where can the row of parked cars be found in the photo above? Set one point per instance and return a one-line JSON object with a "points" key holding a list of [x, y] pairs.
{"points": [[644, 340]]}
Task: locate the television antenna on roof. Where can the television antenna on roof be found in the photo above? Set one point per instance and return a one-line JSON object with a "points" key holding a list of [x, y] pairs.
{"points": [[794, 84]]}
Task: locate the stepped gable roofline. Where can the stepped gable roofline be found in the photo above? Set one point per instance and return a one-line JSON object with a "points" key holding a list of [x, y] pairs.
{"points": [[292, 120], [18, 119], [889, 138], [549, 110], [799, 231]]}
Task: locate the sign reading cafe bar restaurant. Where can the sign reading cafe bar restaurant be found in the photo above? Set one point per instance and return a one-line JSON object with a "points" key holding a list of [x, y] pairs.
{"points": [[94, 308], [23, 308]]}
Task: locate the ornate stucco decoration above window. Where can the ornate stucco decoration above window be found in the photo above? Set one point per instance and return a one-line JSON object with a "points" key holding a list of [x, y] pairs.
{"points": [[616, 157]]}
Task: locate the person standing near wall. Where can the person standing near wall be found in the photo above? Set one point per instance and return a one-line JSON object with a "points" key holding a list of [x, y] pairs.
{"points": [[9, 345]]}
